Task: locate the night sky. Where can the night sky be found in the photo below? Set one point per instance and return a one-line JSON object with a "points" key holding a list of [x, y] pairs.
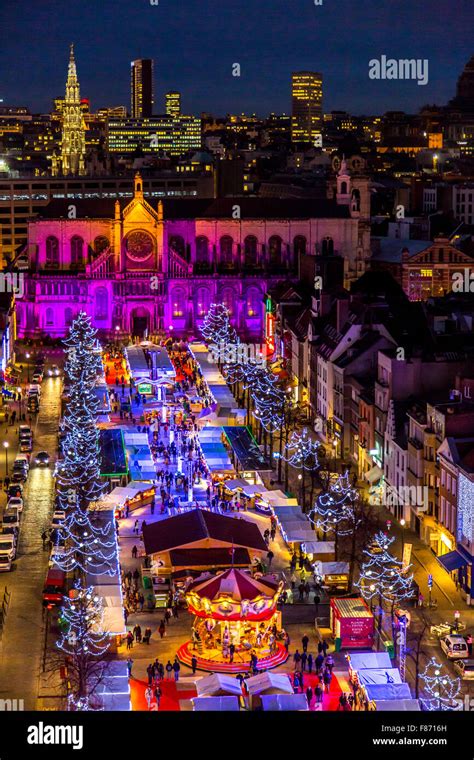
{"points": [[195, 42]]}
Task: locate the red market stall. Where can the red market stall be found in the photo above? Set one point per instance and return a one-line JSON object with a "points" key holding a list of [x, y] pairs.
{"points": [[352, 623]]}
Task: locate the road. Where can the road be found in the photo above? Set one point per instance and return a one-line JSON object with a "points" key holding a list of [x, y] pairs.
{"points": [[22, 643]]}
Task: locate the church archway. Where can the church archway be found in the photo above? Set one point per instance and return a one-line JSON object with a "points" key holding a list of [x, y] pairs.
{"points": [[140, 322]]}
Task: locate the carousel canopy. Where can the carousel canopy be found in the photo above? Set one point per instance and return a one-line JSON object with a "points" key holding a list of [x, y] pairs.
{"points": [[233, 595]]}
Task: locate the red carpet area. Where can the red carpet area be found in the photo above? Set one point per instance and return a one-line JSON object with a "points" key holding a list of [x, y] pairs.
{"points": [[185, 653]]}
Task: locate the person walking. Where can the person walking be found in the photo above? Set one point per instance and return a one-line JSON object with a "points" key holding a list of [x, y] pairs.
{"points": [[162, 629], [301, 591], [469, 644], [148, 695], [305, 642], [318, 693], [135, 527], [318, 663], [309, 695], [176, 668], [327, 678], [169, 670], [330, 662], [297, 659], [310, 663], [231, 652], [304, 658], [129, 666], [150, 671], [270, 556], [134, 552], [325, 648], [194, 663], [157, 694], [129, 640]]}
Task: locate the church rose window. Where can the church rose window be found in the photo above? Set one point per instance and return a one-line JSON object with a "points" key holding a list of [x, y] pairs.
{"points": [[139, 245]]}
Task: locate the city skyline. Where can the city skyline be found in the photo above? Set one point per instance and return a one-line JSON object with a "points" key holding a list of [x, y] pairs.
{"points": [[203, 72]]}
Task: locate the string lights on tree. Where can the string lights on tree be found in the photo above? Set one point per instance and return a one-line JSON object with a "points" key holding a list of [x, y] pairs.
{"points": [[87, 548], [85, 642], [216, 327], [334, 511], [440, 688]]}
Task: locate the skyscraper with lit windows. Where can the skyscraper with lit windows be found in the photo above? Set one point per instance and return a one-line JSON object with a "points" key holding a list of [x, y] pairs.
{"points": [[307, 100], [141, 88], [173, 103]]}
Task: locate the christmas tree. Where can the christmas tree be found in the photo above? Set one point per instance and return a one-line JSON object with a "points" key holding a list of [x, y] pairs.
{"points": [[216, 328], [85, 642], [87, 548], [440, 688]]}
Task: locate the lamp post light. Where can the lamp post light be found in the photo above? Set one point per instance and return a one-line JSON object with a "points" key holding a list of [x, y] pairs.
{"points": [[28, 366], [6, 445], [20, 400], [403, 523], [334, 444]]}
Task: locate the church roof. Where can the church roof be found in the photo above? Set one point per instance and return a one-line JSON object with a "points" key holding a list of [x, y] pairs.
{"points": [[205, 208]]}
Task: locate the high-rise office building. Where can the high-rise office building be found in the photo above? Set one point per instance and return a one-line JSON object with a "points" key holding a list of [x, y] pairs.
{"points": [[173, 103], [307, 100], [142, 88]]}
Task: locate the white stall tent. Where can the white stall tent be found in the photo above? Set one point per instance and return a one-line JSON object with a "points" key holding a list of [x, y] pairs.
{"points": [[216, 704], [269, 683], [384, 691], [364, 660], [218, 684], [284, 702], [398, 705], [379, 676]]}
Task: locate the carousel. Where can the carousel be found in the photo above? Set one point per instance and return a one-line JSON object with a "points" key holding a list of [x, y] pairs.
{"points": [[236, 621]]}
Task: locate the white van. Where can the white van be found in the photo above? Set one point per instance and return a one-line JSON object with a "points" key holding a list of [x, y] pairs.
{"points": [[454, 646]]}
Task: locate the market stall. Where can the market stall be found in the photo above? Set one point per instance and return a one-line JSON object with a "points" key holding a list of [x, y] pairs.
{"points": [[133, 495], [215, 704], [218, 685], [352, 623], [234, 610], [365, 660], [332, 575], [284, 702], [394, 692]]}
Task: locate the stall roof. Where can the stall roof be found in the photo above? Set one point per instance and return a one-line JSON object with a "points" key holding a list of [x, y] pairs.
{"points": [[112, 449], [278, 497], [383, 691], [398, 705], [240, 484], [370, 676], [246, 449], [351, 608], [201, 527], [218, 683], [119, 495], [270, 683], [323, 547], [209, 558], [284, 702], [216, 704], [364, 660], [330, 568]]}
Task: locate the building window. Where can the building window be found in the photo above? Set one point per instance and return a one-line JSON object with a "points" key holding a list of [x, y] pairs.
{"points": [[101, 303], [226, 248], [228, 300], [327, 246], [49, 316], [77, 248], [250, 250], [203, 302], [299, 245], [274, 250], [254, 302], [52, 250], [202, 250], [177, 245], [100, 244], [68, 317], [178, 302]]}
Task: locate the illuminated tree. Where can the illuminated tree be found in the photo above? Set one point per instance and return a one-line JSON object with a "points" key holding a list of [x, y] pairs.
{"points": [[87, 548], [441, 689], [85, 642], [216, 327], [383, 576]]}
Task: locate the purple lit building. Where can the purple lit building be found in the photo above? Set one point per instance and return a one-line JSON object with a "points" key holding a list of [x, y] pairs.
{"points": [[140, 270]]}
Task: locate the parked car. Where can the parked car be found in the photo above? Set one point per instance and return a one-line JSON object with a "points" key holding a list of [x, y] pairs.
{"points": [[57, 552], [26, 445], [54, 371], [14, 489], [5, 563], [15, 501], [42, 458], [464, 668], [25, 432], [21, 460], [11, 518], [58, 519], [454, 646], [8, 546], [54, 587]]}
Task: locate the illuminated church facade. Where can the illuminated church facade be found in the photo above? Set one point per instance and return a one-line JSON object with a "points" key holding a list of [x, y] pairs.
{"points": [[144, 270]]}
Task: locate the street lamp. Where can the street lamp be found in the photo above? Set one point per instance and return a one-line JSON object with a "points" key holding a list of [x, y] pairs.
{"points": [[20, 400], [28, 366], [6, 444], [403, 523], [334, 443]]}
